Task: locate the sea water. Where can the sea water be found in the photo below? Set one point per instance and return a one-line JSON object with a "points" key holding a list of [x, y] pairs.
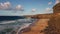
{"points": [[6, 27]]}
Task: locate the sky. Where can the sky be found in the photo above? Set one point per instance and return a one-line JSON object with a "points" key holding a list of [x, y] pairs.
{"points": [[26, 7]]}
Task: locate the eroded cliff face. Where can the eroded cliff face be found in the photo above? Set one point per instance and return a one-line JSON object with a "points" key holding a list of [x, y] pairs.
{"points": [[54, 25], [41, 16], [56, 8]]}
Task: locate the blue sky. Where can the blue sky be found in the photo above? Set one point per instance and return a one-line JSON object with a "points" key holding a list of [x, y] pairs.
{"points": [[26, 7]]}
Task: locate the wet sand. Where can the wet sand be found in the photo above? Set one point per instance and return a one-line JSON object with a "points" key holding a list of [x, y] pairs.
{"points": [[40, 25]]}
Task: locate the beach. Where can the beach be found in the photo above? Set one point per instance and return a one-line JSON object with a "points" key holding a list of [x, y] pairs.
{"points": [[40, 25]]}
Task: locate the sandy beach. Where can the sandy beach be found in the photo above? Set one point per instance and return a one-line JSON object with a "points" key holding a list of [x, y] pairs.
{"points": [[40, 25]]}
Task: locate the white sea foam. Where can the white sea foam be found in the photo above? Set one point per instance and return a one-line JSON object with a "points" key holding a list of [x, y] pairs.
{"points": [[25, 25], [19, 20], [5, 22], [16, 24]]}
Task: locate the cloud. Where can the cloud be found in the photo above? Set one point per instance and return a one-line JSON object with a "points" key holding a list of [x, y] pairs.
{"points": [[19, 7], [57, 1], [33, 10], [49, 3], [8, 6], [5, 5], [48, 9]]}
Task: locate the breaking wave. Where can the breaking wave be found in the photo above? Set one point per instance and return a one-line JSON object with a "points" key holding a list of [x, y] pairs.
{"points": [[16, 24]]}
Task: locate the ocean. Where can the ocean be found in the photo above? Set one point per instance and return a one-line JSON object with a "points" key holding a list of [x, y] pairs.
{"points": [[8, 24]]}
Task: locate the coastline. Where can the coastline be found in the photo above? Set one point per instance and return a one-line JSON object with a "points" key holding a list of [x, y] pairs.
{"points": [[40, 25]]}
